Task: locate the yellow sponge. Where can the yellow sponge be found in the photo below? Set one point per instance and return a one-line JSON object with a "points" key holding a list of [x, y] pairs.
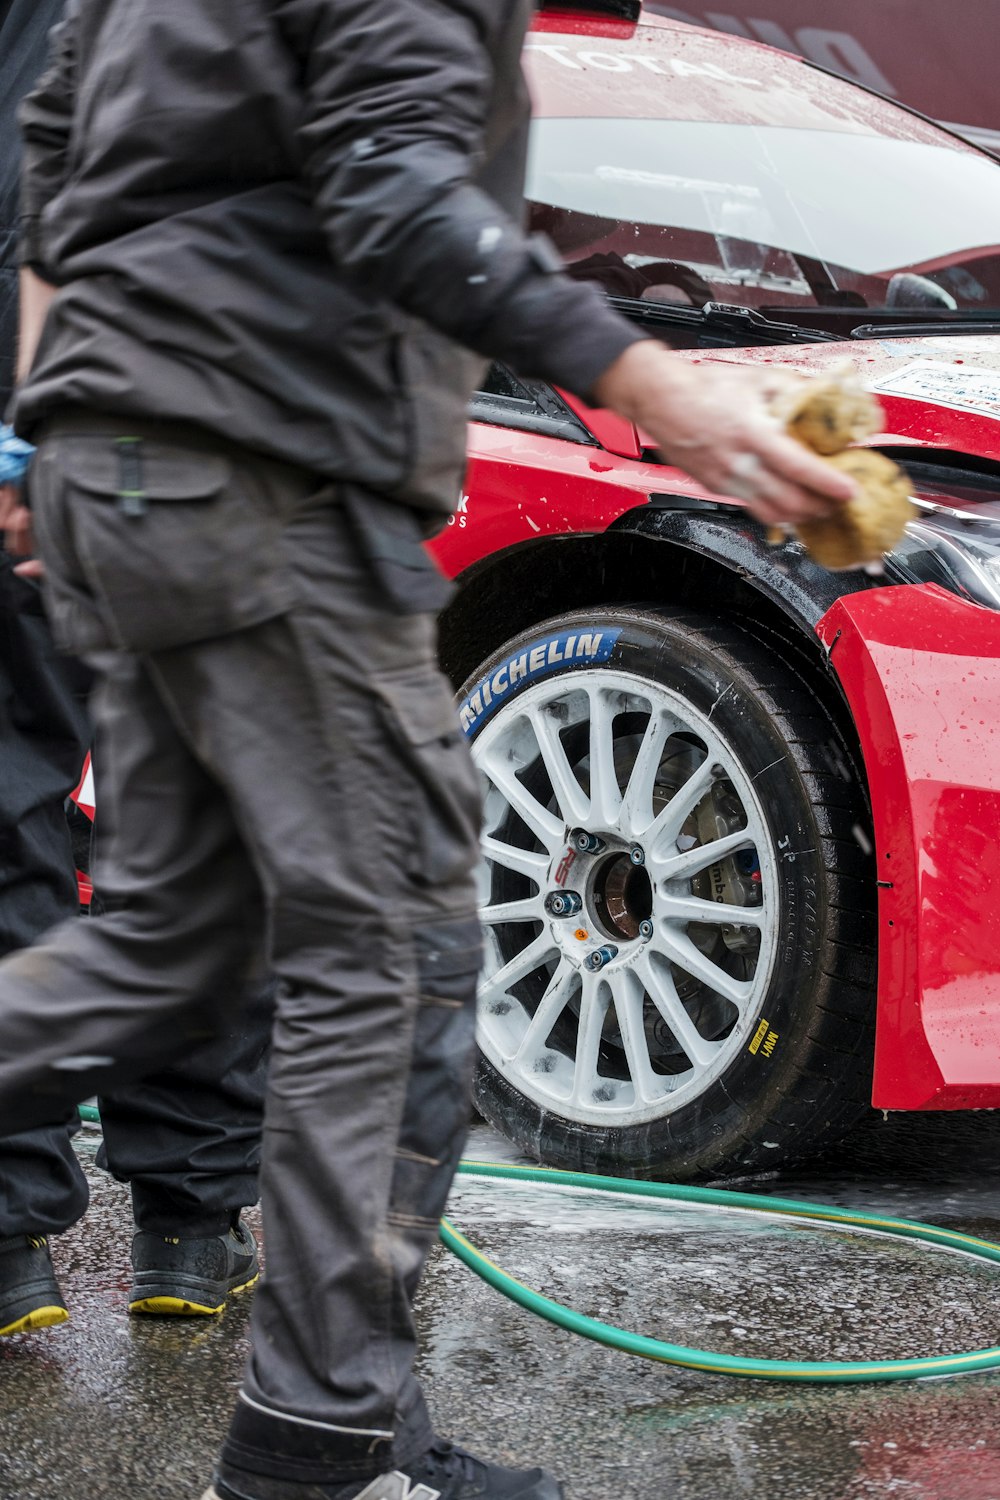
{"points": [[868, 526], [827, 415]]}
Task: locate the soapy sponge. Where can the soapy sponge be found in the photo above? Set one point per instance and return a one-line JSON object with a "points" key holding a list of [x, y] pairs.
{"points": [[827, 416], [867, 527]]}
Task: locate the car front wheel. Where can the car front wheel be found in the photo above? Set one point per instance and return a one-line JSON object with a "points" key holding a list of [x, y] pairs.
{"points": [[678, 911]]}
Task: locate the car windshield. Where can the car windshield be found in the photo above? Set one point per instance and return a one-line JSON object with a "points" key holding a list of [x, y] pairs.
{"points": [[768, 217]]}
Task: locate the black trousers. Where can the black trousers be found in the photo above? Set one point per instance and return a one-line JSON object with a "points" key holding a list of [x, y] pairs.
{"points": [[287, 768], [187, 1138]]}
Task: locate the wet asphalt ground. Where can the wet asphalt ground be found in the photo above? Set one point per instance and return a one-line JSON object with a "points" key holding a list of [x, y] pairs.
{"points": [[131, 1409]]}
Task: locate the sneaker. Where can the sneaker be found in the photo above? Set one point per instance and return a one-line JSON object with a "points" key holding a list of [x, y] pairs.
{"points": [[29, 1292], [191, 1278], [444, 1472]]}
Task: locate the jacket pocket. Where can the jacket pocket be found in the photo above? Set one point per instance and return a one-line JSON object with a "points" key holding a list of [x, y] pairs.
{"points": [[437, 378], [390, 539], [177, 545], [438, 786]]}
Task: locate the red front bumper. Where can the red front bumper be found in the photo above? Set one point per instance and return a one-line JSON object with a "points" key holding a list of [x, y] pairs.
{"points": [[921, 671]]}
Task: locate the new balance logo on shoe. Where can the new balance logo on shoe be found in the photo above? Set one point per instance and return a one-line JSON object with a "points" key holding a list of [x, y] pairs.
{"points": [[397, 1487]]}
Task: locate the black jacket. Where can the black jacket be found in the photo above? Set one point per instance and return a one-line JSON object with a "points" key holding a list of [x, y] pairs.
{"points": [[279, 218]]}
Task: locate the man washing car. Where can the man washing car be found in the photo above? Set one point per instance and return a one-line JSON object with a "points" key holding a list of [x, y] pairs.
{"points": [[277, 229]]}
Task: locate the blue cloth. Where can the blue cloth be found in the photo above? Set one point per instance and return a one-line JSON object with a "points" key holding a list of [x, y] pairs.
{"points": [[15, 456]]}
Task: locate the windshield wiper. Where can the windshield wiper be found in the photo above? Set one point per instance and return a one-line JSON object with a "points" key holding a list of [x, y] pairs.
{"points": [[940, 328], [745, 324], [893, 322]]}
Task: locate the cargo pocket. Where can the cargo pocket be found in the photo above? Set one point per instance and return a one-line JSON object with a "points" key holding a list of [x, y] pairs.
{"points": [[178, 546], [437, 785], [438, 1102]]}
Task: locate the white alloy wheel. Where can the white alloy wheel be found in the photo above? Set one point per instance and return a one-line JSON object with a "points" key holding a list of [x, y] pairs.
{"points": [[630, 959]]}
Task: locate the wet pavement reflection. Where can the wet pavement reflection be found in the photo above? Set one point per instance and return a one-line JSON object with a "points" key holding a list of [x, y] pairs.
{"points": [[112, 1406]]}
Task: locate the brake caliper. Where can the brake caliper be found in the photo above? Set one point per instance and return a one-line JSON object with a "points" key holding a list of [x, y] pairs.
{"points": [[734, 881]]}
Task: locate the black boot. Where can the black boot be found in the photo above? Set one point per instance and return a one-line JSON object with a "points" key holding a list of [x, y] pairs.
{"points": [[29, 1292], [191, 1278]]}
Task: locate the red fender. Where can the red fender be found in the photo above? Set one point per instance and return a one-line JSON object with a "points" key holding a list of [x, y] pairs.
{"points": [[921, 671]]}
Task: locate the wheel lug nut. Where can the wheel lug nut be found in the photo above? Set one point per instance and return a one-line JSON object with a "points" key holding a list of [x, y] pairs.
{"points": [[646, 930], [637, 854], [563, 903], [601, 956], [587, 843]]}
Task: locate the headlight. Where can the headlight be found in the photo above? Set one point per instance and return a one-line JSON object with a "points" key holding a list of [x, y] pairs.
{"points": [[960, 550]]}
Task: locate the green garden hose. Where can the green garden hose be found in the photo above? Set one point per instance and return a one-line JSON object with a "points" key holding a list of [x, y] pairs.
{"points": [[829, 1372]]}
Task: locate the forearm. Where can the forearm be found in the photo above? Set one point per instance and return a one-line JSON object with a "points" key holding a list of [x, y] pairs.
{"points": [[35, 300]]}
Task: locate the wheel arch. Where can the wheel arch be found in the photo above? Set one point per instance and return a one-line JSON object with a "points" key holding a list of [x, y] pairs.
{"points": [[666, 556]]}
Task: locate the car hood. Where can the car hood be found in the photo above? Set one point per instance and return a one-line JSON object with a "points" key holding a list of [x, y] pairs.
{"points": [[937, 393]]}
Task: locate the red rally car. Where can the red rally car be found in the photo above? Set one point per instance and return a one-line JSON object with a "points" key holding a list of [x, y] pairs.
{"points": [[741, 852]]}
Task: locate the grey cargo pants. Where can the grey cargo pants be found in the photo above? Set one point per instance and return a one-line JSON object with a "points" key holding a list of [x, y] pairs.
{"points": [[287, 784]]}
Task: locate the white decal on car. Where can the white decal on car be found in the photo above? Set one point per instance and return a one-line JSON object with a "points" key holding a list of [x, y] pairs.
{"points": [[568, 647], [620, 62], [959, 387]]}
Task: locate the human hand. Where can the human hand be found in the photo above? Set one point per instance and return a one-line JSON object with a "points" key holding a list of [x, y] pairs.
{"points": [[714, 421], [15, 522]]}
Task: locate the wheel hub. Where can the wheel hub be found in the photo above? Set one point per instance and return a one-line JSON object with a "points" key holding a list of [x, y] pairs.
{"points": [[621, 896]]}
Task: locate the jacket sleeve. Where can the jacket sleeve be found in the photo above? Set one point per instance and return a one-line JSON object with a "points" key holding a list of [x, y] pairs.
{"points": [[398, 96], [46, 118]]}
